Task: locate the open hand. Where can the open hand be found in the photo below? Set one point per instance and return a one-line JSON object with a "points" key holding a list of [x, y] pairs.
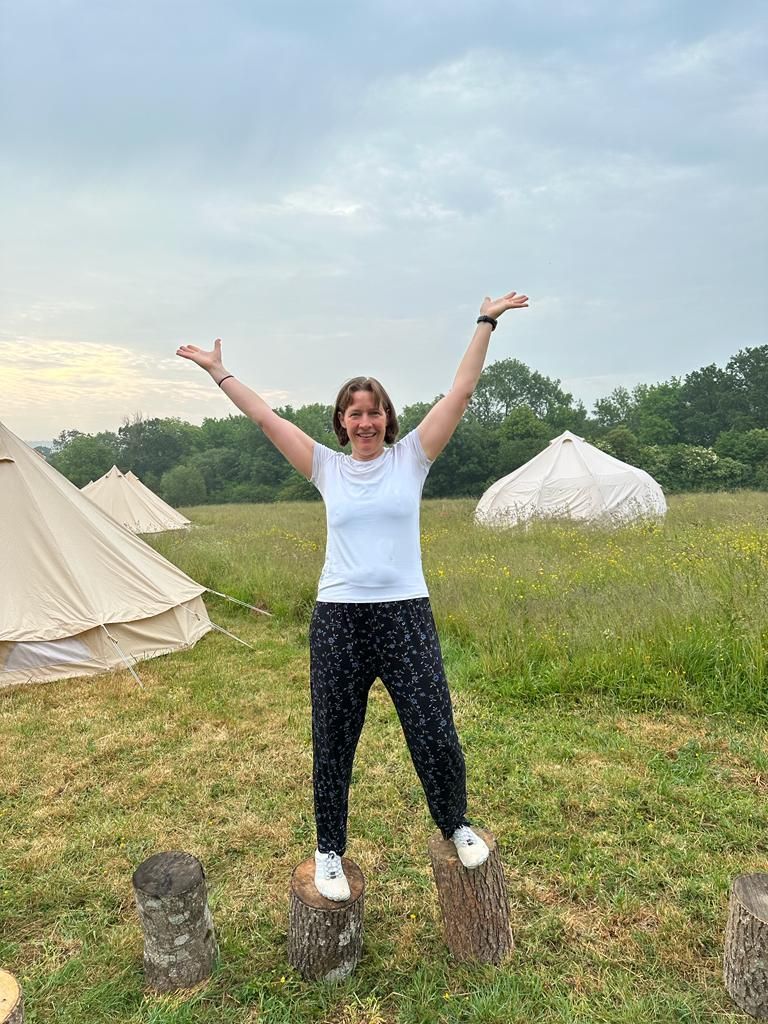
{"points": [[495, 307], [208, 360]]}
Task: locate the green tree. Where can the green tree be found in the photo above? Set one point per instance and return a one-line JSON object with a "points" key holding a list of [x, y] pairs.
{"points": [[508, 384], [656, 415], [707, 402], [183, 485], [615, 409], [219, 467], [622, 443], [83, 457], [521, 436], [315, 419], [466, 465], [254, 472], [151, 447], [297, 488], [748, 373], [568, 417], [749, 448], [228, 432], [412, 415]]}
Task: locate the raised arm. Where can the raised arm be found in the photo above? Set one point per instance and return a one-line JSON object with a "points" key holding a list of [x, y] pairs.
{"points": [[289, 439], [437, 427]]}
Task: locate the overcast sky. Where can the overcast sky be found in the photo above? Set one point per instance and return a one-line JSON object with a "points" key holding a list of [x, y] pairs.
{"points": [[332, 188]]}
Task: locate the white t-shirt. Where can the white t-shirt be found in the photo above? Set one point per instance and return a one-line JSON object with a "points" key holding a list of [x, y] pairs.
{"points": [[373, 551]]}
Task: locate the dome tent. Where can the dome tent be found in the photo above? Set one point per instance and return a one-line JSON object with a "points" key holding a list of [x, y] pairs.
{"points": [[130, 503], [80, 594], [572, 479]]}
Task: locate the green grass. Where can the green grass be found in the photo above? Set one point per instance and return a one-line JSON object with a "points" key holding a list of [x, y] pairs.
{"points": [[667, 615], [623, 808]]}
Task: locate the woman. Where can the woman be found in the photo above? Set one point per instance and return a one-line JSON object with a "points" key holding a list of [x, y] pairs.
{"points": [[372, 618]]}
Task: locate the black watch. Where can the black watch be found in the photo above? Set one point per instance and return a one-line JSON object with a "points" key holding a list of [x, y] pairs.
{"points": [[488, 320]]}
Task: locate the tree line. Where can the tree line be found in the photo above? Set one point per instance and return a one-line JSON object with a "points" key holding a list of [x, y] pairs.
{"points": [[706, 431]]}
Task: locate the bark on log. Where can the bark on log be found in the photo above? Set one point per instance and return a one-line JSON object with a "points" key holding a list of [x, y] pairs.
{"points": [[473, 902], [179, 940], [745, 963], [325, 938], [11, 1000]]}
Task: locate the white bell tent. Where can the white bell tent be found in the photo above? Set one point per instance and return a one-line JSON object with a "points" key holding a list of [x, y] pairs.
{"points": [[80, 594], [132, 504], [157, 502], [571, 479]]}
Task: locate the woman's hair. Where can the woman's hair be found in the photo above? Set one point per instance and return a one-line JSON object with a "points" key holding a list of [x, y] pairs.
{"points": [[383, 401]]}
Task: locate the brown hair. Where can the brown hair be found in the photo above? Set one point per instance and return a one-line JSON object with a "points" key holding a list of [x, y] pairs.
{"points": [[383, 401]]}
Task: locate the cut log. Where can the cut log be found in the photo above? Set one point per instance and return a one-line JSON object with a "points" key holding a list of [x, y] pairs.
{"points": [[11, 1000], [474, 902], [745, 963], [179, 941], [325, 938]]}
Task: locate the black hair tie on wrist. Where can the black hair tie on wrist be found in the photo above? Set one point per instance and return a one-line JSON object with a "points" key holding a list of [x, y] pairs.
{"points": [[220, 382], [488, 320]]}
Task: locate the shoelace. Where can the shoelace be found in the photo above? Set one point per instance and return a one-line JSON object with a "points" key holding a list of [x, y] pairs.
{"points": [[331, 865], [464, 837]]}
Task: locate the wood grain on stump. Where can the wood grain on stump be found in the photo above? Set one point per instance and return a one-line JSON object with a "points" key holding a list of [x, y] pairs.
{"points": [[745, 963], [11, 1000], [473, 902], [179, 940], [325, 938]]}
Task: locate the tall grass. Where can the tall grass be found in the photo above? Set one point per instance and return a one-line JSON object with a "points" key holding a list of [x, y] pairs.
{"points": [[657, 614]]}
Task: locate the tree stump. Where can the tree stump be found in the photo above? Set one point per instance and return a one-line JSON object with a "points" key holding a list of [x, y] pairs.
{"points": [[11, 1000], [473, 902], [325, 938], [745, 964], [179, 941]]}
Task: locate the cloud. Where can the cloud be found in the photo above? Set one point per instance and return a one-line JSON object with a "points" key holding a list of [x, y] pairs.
{"points": [[50, 385], [234, 216], [722, 53], [328, 203]]}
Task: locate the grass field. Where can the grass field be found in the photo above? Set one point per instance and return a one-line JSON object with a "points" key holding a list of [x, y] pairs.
{"points": [[610, 692]]}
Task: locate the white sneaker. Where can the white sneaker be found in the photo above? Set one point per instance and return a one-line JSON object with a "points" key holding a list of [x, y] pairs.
{"points": [[330, 880], [472, 850]]}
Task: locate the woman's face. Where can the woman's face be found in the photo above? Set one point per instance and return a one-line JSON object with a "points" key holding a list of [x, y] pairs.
{"points": [[366, 423]]}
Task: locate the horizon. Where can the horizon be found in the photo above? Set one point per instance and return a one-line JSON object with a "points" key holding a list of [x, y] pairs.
{"points": [[233, 411]]}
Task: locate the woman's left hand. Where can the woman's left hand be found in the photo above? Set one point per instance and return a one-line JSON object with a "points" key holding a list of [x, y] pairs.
{"points": [[495, 307]]}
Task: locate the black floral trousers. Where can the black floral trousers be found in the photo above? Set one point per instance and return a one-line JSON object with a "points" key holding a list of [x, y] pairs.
{"points": [[351, 645]]}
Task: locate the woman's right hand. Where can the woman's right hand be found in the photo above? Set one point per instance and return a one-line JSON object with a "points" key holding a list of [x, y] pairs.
{"points": [[210, 361]]}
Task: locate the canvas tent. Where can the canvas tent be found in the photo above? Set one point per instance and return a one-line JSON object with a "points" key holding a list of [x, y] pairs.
{"points": [[79, 594], [130, 503], [572, 479], [167, 510]]}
